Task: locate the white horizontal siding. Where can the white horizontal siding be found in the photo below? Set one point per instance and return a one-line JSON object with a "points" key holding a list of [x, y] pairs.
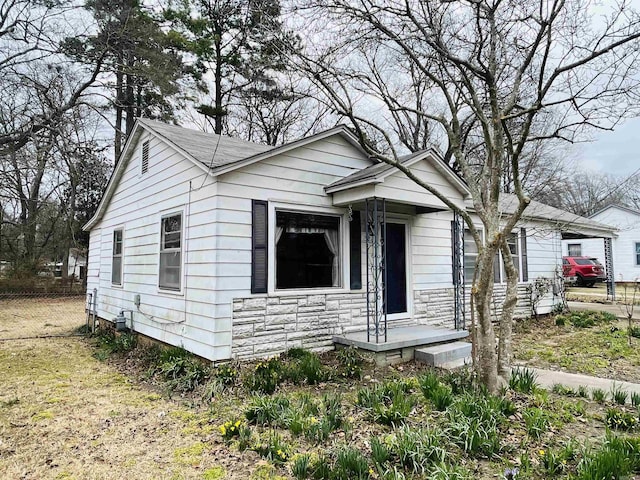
{"points": [[172, 183], [431, 251], [623, 246]]}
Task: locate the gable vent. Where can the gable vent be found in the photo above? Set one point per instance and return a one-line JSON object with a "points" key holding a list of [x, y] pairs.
{"points": [[145, 156]]}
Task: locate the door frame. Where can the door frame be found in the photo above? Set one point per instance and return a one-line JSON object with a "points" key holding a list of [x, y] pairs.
{"points": [[406, 221]]}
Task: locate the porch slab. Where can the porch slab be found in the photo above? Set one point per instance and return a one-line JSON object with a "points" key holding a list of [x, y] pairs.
{"points": [[402, 337]]}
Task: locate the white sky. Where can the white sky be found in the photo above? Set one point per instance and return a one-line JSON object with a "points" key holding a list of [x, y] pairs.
{"points": [[616, 152]]}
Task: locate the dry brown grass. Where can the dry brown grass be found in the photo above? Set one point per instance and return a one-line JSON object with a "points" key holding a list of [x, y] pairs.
{"points": [[40, 316], [65, 415]]}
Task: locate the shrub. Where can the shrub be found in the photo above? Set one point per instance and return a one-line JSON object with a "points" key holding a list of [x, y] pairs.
{"points": [[265, 410], [350, 464], [266, 376], [523, 380], [598, 395], [350, 363], [620, 420]]}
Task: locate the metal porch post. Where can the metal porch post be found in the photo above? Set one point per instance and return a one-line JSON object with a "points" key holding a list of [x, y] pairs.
{"points": [[376, 272], [457, 235], [608, 262]]}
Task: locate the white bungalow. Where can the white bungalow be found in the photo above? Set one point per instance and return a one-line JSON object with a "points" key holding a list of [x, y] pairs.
{"points": [[238, 250]]}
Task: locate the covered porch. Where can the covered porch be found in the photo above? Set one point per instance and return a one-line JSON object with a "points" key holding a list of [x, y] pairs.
{"points": [[384, 204]]}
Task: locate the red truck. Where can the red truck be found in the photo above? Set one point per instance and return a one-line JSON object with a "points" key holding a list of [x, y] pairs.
{"points": [[583, 271]]}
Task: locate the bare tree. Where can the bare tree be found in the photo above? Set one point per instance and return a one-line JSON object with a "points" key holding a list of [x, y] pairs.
{"points": [[497, 76]]}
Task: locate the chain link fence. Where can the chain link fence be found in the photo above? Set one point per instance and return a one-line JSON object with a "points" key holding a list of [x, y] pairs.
{"points": [[41, 315]]}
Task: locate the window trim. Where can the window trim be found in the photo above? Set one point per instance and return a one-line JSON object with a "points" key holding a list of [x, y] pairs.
{"points": [[119, 228], [569, 245], [341, 214], [163, 215], [406, 221], [503, 280]]}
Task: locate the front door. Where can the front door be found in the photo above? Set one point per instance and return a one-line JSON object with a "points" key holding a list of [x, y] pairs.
{"points": [[396, 266]]}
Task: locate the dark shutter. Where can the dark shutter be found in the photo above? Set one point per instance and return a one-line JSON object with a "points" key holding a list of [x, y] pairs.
{"points": [[355, 250], [259, 242], [523, 253]]}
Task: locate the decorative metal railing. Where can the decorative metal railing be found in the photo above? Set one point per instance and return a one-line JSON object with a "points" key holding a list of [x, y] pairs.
{"points": [[376, 272]]}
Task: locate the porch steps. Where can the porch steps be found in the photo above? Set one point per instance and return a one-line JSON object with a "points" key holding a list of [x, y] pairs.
{"points": [[447, 355]]}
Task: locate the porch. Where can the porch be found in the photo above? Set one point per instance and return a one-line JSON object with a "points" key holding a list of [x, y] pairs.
{"points": [[404, 344]]}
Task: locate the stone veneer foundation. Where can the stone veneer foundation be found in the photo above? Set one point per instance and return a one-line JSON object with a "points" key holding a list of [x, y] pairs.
{"points": [[266, 326]]}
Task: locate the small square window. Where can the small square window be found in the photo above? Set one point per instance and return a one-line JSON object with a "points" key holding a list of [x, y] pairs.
{"points": [[574, 250], [637, 253]]}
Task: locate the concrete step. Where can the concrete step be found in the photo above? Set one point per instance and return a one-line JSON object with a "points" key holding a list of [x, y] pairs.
{"points": [[444, 353], [456, 364]]}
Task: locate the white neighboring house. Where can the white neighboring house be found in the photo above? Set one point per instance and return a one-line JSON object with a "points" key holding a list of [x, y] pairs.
{"points": [[625, 245], [238, 250]]}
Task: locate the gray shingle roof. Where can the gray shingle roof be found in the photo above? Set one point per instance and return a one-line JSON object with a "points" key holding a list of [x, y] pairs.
{"points": [[508, 203], [202, 146]]}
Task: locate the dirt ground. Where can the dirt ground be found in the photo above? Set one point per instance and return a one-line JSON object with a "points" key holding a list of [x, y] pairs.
{"points": [[66, 415], [40, 316]]}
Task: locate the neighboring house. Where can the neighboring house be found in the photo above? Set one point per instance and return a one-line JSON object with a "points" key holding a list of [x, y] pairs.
{"points": [[625, 245], [77, 264], [238, 250]]}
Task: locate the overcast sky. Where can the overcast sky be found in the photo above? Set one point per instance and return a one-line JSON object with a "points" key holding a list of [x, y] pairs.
{"points": [[616, 152]]}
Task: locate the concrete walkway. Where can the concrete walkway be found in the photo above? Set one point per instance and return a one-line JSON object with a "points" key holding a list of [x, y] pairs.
{"points": [[547, 378], [616, 309]]}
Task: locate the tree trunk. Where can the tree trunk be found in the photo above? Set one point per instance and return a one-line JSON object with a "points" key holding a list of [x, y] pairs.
{"points": [[119, 94], [508, 308], [482, 291]]}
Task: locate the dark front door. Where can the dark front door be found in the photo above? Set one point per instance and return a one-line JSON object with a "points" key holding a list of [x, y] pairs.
{"points": [[395, 264]]}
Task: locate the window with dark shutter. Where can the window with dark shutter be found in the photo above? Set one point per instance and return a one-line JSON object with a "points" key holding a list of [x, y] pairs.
{"points": [[259, 240], [145, 157], [523, 254], [355, 239]]}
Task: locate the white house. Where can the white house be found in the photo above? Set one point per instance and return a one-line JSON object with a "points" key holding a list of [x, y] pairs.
{"points": [[625, 245], [238, 250]]}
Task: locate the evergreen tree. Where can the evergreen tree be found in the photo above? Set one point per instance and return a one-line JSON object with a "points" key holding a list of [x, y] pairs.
{"points": [[239, 44], [143, 68]]}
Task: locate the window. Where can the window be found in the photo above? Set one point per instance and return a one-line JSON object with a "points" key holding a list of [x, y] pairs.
{"points": [[144, 163], [499, 272], [170, 252], [470, 256], [637, 253], [307, 250], [574, 250], [116, 258]]}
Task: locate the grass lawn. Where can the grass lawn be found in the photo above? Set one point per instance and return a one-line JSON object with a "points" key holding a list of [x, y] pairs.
{"points": [[602, 350], [109, 409]]}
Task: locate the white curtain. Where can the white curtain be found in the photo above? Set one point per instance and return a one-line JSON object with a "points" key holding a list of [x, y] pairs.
{"points": [[331, 237]]}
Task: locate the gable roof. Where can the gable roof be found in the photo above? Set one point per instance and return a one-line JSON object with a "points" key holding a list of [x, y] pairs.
{"points": [[619, 207], [378, 172], [540, 211], [209, 149], [215, 154]]}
